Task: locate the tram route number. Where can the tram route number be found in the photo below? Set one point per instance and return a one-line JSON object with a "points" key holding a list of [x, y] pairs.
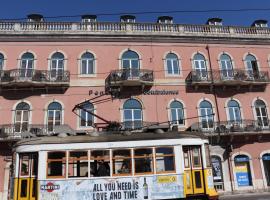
{"points": [[50, 187]]}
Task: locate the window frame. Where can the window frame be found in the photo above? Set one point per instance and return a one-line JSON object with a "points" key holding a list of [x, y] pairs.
{"points": [[64, 176], [140, 157], [122, 157], [93, 60], [77, 159], [177, 110], [172, 64], [168, 155]]}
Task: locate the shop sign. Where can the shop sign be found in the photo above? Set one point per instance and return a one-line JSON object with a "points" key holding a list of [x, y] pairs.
{"points": [[242, 159], [129, 188], [150, 92], [242, 174]]}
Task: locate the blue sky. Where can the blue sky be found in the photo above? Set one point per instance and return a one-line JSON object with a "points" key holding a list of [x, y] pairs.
{"points": [[78, 7]]}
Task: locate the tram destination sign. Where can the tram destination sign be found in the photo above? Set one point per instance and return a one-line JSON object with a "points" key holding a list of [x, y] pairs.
{"points": [[129, 188]]}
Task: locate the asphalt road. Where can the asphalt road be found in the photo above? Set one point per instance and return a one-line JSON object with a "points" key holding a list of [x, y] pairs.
{"points": [[263, 196]]}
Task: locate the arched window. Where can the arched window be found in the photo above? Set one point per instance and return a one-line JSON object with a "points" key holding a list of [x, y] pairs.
{"points": [[242, 170], [86, 119], [226, 67], [54, 115], [177, 113], [22, 115], [130, 63], [200, 67], [2, 59], [266, 165], [87, 63], [206, 115], [57, 65], [172, 64], [132, 114], [27, 65], [217, 172], [261, 113], [234, 112], [252, 66]]}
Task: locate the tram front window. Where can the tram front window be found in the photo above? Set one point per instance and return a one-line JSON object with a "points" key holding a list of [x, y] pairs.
{"points": [[78, 164], [143, 160], [100, 163], [56, 164]]}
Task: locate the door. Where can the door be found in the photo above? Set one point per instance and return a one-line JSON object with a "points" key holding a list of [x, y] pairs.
{"points": [[194, 178], [27, 177]]}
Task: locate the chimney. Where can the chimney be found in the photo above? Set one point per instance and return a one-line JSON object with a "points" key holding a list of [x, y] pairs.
{"points": [[165, 20], [260, 23], [127, 19], [89, 18], [214, 22], [35, 18]]}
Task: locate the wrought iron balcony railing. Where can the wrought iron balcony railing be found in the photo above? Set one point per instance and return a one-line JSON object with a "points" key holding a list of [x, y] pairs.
{"points": [[34, 76], [127, 76], [227, 127], [25, 130], [229, 77]]}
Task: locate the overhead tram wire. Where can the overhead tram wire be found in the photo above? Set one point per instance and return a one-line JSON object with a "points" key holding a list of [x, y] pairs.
{"points": [[152, 12]]}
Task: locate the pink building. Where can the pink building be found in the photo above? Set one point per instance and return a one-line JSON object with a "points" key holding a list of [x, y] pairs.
{"points": [[208, 78]]}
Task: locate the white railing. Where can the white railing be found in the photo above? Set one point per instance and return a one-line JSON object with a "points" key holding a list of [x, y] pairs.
{"points": [[107, 27]]}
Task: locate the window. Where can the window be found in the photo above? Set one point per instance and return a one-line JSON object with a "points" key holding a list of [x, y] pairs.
{"points": [[54, 115], [24, 165], [165, 159], [252, 66], [261, 113], [87, 64], [22, 114], [206, 115], [122, 162], [132, 114], [226, 67], [207, 155], [196, 157], [234, 112], [2, 59], [86, 119], [130, 64], [57, 66], [200, 67], [186, 157], [172, 64], [27, 65], [177, 113], [56, 164], [143, 160], [217, 172], [78, 164], [100, 163]]}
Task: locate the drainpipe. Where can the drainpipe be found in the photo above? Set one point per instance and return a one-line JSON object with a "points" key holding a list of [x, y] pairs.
{"points": [[213, 87]]}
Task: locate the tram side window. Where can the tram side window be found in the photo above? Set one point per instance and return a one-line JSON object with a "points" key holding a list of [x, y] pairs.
{"points": [[78, 164], [207, 155], [56, 164], [24, 165], [100, 163], [196, 157], [143, 160], [165, 159], [122, 162], [186, 157]]}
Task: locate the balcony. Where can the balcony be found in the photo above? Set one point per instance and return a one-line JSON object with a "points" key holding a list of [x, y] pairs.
{"points": [[231, 127], [20, 131], [119, 80], [33, 78], [223, 78]]}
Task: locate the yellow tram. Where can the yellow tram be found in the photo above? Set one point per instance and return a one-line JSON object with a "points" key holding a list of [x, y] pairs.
{"points": [[139, 166]]}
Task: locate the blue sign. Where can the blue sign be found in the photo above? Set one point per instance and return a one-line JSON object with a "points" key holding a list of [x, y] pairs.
{"points": [[242, 179], [241, 159], [266, 157]]}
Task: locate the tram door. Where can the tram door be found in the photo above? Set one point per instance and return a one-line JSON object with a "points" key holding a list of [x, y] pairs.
{"points": [[194, 178], [27, 177]]}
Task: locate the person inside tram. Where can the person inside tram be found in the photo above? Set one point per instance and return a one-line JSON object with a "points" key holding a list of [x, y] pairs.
{"points": [[103, 169], [124, 168]]}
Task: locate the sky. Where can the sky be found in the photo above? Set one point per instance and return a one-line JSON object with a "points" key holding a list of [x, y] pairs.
{"points": [[51, 8]]}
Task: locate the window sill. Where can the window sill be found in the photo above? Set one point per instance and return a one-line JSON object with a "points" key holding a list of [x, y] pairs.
{"points": [[87, 75]]}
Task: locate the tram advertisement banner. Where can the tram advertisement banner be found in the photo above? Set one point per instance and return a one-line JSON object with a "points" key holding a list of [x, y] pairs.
{"points": [[242, 174], [129, 188]]}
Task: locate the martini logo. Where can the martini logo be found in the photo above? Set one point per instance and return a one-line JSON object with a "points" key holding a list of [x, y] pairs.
{"points": [[50, 187]]}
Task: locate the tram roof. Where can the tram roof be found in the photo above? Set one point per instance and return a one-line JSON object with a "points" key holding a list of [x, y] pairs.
{"points": [[109, 137]]}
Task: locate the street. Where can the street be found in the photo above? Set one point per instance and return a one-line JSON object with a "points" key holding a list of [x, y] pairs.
{"points": [[263, 196]]}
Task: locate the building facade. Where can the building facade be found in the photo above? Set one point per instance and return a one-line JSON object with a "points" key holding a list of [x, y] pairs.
{"points": [[208, 78]]}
